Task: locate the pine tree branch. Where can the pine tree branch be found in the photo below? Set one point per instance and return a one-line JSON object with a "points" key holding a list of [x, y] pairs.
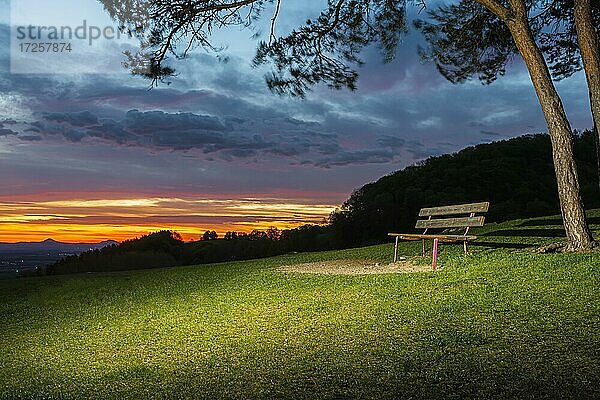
{"points": [[497, 9]]}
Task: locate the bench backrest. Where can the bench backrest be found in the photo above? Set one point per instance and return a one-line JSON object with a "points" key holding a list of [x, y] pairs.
{"points": [[457, 221]]}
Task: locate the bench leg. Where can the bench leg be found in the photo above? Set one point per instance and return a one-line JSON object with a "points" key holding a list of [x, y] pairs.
{"points": [[435, 251], [466, 247], [396, 250], [423, 247]]}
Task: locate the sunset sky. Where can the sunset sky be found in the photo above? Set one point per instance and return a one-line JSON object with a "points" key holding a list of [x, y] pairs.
{"points": [[95, 156]]}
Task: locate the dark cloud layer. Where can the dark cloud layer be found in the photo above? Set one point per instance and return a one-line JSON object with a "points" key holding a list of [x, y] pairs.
{"points": [[219, 124], [225, 137]]}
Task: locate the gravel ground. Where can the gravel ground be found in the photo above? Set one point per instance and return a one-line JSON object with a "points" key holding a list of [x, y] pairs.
{"points": [[355, 267]]}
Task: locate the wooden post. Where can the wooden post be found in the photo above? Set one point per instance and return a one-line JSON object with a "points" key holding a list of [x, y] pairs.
{"points": [[396, 250], [465, 244], [435, 251]]}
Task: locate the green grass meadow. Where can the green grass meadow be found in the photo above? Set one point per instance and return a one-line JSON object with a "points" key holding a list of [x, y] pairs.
{"points": [[499, 323]]}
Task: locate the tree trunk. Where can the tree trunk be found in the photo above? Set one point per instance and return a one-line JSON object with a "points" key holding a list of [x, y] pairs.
{"points": [[559, 128], [587, 36], [597, 134]]}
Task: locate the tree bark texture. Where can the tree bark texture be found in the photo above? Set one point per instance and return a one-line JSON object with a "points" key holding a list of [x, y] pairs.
{"points": [[587, 37], [559, 128]]}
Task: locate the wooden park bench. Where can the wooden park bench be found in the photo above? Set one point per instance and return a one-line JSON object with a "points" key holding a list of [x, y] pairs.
{"points": [[458, 220]]}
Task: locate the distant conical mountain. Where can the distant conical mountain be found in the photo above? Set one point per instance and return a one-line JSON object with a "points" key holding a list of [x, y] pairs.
{"points": [[53, 245]]}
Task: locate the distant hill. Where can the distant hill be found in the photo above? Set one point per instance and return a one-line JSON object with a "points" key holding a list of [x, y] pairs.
{"points": [[160, 249], [516, 176], [166, 248], [54, 246]]}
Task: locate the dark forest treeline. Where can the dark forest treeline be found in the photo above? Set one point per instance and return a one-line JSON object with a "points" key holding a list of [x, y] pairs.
{"points": [[166, 249], [516, 176]]}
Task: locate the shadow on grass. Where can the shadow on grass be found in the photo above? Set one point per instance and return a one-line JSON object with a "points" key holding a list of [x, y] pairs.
{"points": [[504, 245], [554, 232], [556, 221]]}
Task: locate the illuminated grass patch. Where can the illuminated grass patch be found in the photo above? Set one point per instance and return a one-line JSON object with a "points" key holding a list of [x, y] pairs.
{"points": [[498, 323]]}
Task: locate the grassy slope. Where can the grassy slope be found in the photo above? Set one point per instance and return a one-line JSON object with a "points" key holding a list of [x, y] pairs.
{"points": [[498, 323]]}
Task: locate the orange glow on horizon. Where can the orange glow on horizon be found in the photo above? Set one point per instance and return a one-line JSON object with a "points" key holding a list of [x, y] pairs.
{"points": [[96, 219]]}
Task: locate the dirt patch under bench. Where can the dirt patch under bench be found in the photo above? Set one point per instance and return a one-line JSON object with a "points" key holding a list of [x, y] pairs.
{"points": [[355, 267]]}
